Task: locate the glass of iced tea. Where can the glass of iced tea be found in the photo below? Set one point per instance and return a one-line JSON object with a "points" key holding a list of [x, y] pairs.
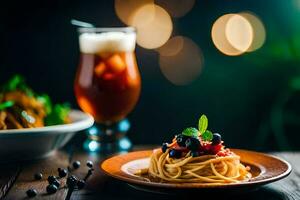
{"points": [[107, 85]]}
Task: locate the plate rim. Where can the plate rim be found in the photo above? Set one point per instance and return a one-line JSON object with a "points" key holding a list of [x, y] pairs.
{"points": [[81, 121], [139, 181]]}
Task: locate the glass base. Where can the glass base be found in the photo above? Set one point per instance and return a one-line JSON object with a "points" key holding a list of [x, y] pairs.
{"points": [[107, 139]]}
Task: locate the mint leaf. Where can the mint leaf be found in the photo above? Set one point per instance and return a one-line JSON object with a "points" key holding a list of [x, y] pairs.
{"points": [[207, 135], [190, 132], [6, 104], [202, 124]]}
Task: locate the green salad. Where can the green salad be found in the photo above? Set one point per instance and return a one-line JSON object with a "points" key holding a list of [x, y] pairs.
{"points": [[21, 107]]}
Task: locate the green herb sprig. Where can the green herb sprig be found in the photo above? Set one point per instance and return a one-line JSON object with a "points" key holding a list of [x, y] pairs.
{"points": [[201, 131], [190, 132], [202, 126]]}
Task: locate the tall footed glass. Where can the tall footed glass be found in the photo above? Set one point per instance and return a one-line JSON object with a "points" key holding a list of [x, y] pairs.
{"points": [[107, 85]]}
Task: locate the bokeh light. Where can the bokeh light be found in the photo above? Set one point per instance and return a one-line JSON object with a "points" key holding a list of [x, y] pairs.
{"points": [[153, 30], [93, 146], [125, 143], [239, 32], [235, 34], [176, 8], [125, 8], [183, 66], [219, 37], [172, 47], [259, 31]]}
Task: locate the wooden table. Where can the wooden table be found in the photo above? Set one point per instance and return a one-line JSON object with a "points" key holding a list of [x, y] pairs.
{"points": [[16, 179]]}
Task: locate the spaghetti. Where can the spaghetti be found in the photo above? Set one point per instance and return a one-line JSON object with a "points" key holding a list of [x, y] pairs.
{"points": [[203, 169], [196, 156]]}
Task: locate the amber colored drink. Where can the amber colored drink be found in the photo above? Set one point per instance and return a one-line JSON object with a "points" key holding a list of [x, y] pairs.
{"points": [[107, 83]]}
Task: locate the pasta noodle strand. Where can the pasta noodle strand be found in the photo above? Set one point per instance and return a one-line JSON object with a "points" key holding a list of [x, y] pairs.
{"points": [[208, 169]]}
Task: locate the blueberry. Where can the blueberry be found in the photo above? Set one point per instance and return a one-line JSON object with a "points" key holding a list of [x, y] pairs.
{"points": [[73, 177], [216, 139], [56, 183], [89, 164], [72, 181], [51, 179], [164, 147], [51, 189], [62, 172], [76, 164], [192, 143], [174, 153], [38, 176], [80, 184], [31, 193], [181, 139]]}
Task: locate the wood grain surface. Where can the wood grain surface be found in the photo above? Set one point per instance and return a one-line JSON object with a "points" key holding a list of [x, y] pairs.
{"points": [[26, 180], [7, 177], [16, 179]]}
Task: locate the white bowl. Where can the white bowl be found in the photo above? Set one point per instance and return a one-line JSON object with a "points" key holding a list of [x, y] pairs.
{"points": [[35, 143]]}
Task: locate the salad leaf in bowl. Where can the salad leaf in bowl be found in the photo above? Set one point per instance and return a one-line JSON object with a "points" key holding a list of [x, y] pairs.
{"points": [[31, 125]]}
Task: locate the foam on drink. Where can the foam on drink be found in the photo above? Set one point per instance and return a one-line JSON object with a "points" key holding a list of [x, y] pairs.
{"points": [[107, 83], [94, 43]]}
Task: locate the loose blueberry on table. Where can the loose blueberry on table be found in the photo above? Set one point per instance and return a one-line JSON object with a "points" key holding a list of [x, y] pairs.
{"points": [[31, 193], [56, 183], [51, 179], [51, 189], [72, 181], [76, 164], [62, 172], [38, 176], [89, 164]]}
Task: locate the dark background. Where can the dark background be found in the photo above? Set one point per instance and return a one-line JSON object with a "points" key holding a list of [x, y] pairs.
{"points": [[252, 100]]}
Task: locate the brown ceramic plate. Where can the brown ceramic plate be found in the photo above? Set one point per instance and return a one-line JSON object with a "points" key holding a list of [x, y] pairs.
{"points": [[264, 168]]}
